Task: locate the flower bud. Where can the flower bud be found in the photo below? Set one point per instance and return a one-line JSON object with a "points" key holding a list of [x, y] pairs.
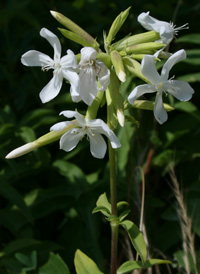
{"points": [[145, 37], [134, 67], [118, 65], [144, 48], [82, 34], [149, 105]]}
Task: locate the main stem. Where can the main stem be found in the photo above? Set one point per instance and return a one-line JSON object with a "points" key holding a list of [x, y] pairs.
{"points": [[114, 222]]}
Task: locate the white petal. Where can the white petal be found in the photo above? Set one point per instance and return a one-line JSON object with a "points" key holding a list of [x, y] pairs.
{"points": [[165, 29], [59, 126], [148, 68], [180, 89], [52, 89], [103, 75], [159, 110], [34, 58], [139, 91], [87, 54], [54, 41], [88, 85], [98, 126], [73, 78], [69, 60], [97, 146], [70, 139], [69, 114], [175, 58]]}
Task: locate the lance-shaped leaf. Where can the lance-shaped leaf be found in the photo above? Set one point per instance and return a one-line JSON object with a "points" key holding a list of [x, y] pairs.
{"points": [[85, 265], [103, 205], [54, 265], [136, 238], [145, 37], [116, 25], [66, 22], [129, 266]]}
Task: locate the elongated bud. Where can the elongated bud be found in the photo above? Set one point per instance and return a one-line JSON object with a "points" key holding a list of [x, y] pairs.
{"points": [[66, 22], [116, 97], [111, 112], [42, 141], [116, 25], [149, 105], [134, 67], [145, 37], [118, 65], [144, 48]]}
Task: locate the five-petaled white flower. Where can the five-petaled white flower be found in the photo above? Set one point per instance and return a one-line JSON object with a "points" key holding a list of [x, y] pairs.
{"points": [[160, 83], [166, 30], [91, 70], [92, 128], [64, 67]]}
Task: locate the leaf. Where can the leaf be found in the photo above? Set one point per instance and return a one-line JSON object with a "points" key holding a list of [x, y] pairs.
{"points": [[131, 265], [193, 57], [55, 265], [136, 238], [85, 265], [191, 78], [103, 205], [193, 38]]}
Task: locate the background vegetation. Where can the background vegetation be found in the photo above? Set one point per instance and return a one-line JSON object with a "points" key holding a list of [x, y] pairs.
{"points": [[47, 196]]}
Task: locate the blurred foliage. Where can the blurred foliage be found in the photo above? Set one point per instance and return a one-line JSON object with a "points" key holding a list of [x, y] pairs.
{"points": [[47, 196]]}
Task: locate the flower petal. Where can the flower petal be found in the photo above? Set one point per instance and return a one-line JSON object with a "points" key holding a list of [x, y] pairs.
{"points": [[148, 68], [34, 58], [88, 85], [54, 41], [69, 114], [97, 145], [180, 89], [159, 110], [52, 89], [59, 126], [99, 126], [87, 54], [69, 60], [103, 75], [70, 139], [73, 78], [175, 58], [139, 91]]}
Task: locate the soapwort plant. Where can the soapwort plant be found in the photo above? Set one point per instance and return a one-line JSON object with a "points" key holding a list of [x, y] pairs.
{"points": [[95, 77]]}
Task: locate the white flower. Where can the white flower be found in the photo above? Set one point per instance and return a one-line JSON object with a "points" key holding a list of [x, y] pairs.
{"points": [[160, 83], [92, 70], [166, 30], [62, 67], [92, 128]]}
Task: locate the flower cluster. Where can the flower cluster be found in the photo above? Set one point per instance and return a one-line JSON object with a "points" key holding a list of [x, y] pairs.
{"points": [[88, 74]]}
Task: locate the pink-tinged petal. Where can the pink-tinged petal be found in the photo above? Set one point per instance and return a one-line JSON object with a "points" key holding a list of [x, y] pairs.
{"points": [[88, 85], [70, 139], [59, 126], [69, 114], [54, 41], [101, 127], [34, 58], [97, 145], [148, 68], [69, 60], [159, 110], [139, 91], [87, 54], [103, 75], [180, 89], [175, 58], [51, 90]]}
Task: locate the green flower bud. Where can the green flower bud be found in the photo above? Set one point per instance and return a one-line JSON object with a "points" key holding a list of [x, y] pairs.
{"points": [[116, 25], [145, 48], [66, 22], [118, 65], [149, 105], [134, 67], [145, 37]]}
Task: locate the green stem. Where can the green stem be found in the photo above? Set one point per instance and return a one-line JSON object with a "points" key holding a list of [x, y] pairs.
{"points": [[114, 222]]}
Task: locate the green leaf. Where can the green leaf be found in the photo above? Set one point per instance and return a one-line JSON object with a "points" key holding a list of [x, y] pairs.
{"points": [[84, 265], [123, 215], [190, 78], [103, 205], [193, 57], [193, 38], [136, 238], [55, 265], [131, 265]]}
